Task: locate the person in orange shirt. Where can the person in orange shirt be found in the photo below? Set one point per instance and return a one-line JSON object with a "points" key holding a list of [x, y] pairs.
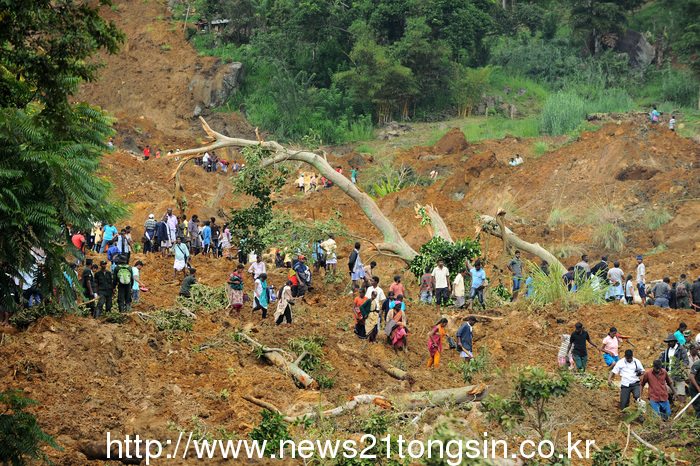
{"points": [[435, 342]]}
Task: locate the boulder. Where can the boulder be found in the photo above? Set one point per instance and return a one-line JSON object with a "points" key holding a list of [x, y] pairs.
{"points": [[214, 90], [640, 53]]}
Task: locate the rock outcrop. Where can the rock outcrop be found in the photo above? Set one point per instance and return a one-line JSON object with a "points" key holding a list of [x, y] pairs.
{"points": [[214, 90]]}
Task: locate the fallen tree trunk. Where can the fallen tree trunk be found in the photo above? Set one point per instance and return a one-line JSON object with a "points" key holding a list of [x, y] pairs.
{"points": [[490, 226], [395, 372], [278, 360], [458, 395], [393, 241]]}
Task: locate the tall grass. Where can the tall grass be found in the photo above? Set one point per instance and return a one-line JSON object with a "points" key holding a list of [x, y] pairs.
{"points": [[539, 149], [562, 113], [498, 127], [655, 218], [611, 101], [609, 236], [559, 217], [551, 288], [361, 129]]}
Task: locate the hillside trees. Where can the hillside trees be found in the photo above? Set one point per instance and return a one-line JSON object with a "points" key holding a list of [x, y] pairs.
{"points": [[689, 44], [49, 148], [594, 20]]}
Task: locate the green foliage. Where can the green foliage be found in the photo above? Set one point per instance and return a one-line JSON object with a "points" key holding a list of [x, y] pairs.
{"points": [[114, 317], [613, 454], [27, 315], [333, 277], [478, 365], [551, 288], [656, 250], [539, 149], [271, 429], [468, 86], [22, 438], [165, 47], [560, 216], [609, 236], [502, 292], [324, 381], [50, 149], [454, 255], [505, 411], [562, 113], [534, 389], [384, 187], [171, 321], [591, 381], [206, 298], [655, 218], [591, 20], [311, 344]]}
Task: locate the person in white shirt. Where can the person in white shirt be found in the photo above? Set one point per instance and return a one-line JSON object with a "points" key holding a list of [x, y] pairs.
{"points": [[442, 285], [329, 247], [631, 371], [629, 290], [641, 279], [300, 182], [257, 268], [518, 159], [672, 123], [458, 289], [617, 280], [380, 293]]}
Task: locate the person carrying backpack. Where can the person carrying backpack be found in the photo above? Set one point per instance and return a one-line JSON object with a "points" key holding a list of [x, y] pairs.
{"points": [[124, 282], [683, 293]]}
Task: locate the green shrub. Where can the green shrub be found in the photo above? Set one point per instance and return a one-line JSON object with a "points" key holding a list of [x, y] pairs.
{"points": [[551, 288], [165, 47], [311, 344], [271, 430], [364, 148], [611, 101], [539, 149], [656, 250], [534, 389], [655, 218], [21, 435], [469, 369], [609, 236], [508, 413], [360, 129], [114, 317], [27, 315], [559, 217], [562, 113], [454, 255]]}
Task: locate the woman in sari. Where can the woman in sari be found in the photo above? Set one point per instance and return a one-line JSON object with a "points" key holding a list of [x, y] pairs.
{"points": [[435, 342], [284, 302], [261, 294], [360, 310], [395, 319], [235, 290], [372, 319]]}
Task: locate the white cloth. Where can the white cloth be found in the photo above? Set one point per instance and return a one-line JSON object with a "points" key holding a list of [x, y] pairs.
{"points": [[380, 295], [257, 269], [628, 371], [441, 277], [329, 247], [617, 275], [459, 285], [641, 274], [284, 301], [179, 265]]}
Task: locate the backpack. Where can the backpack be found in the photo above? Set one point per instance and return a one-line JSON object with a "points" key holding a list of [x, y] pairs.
{"points": [[681, 290], [124, 275]]}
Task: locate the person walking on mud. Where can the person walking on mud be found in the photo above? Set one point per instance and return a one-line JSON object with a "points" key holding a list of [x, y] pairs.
{"points": [[442, 285], [124, 282], [435, 343], [641, 280], [105, 290], [578, 341], [516, 268], [357, 271]]}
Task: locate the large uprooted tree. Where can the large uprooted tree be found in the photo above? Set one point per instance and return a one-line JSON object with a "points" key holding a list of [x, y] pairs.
{"points": [[261, 155]]}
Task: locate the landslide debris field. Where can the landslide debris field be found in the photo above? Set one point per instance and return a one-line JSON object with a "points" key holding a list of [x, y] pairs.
{"points": [[92, 377]]}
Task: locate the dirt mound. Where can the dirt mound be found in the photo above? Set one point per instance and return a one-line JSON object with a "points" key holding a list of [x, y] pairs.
{"points": [[451, 143]]}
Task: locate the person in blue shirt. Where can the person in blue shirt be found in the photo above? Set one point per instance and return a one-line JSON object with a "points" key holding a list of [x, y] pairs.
{"points": [[109, 232], [113, 251], [655, 116], [206, 238], [478, 283], [465, 335]]}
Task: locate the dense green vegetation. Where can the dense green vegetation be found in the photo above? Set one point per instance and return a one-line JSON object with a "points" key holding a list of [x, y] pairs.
{"points": [[334, 69]]}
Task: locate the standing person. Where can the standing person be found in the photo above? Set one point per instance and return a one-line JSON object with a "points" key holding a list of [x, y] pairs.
{"points": [[660, 293], [124, 282], [516, 268], [124, 245], [672, 123], [318, 256], [578, 341], [105, 289], [261, 295], [186, 287], [427, 286], [329, 246], [78, 241], [87, 281], [235, 290], [630, 370], [215, 236], [629, 290], [355, 266], [136, 288], [465, 335], [601, 269], [568, 278], [108, 232], [675, 360], [683, 293], [171, 220], [641, 279], [300, 183], [113, 253], [655, 116], [353, 177], [182, 257], [147, 153], [226, 244], [195, 239], [397, 286], [458, 291], [658, 380], [565, 357], [478, 282], [695, 295], [442, 285], [611, 345], [257, 268], [372, 321], [617, 282], [695, 386], [435, 343], [680, 333], [206, 238], [284, 303], [361, 310], [369, 273], [149, 233], [98, 237], [312, 183], [303, 274], [380, 297]]}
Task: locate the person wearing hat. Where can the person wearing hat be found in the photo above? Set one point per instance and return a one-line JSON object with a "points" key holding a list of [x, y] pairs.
{"points": [[630, 370], [675, 360], [123, 281], [105, 290], [641, 279], [136, 288], [578, 341], [149, 234], [658, 380], [465, 336], [187, 284]]}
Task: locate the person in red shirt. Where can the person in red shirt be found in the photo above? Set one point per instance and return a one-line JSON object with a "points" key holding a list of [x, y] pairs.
{"points": [[658, 379], [79, 242], [397, 286], [147, 153]]}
